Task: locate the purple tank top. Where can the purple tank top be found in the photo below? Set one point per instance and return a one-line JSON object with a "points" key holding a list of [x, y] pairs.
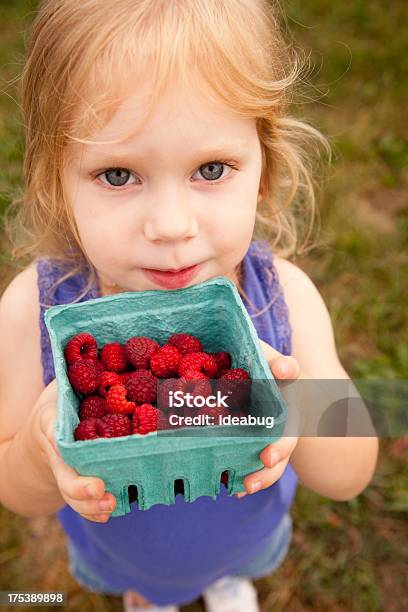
{"points": [[172, 553]]}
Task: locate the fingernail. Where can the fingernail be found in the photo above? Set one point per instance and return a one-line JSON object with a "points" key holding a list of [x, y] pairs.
{"points": [[274, 458], [239, 495], [255, 486], [284, 368], [105, 505]]}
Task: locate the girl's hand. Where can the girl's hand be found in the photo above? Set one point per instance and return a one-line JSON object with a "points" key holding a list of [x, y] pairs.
{"points": [[83, 493], [275, 456]]}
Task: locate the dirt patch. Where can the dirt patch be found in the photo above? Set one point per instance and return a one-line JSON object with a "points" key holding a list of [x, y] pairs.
{"points": [[39, 560], [381, 207], [393, 200]]}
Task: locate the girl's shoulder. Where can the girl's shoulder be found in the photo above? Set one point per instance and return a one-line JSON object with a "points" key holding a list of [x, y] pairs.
{"points": [[313, 342], [20, 357], [19, 300]]}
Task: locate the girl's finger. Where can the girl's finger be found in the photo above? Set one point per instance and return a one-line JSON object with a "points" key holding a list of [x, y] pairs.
{"points": [[68, 480], [276, 360], [97, 518], [93, 506], [269, 351], [72, 485], [264, 478], [274, 453], [83, 494], [285, 367], [88, 506]]}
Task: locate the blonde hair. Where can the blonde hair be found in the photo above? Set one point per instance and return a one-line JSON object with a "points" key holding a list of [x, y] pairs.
{"points": [[239, 49]]}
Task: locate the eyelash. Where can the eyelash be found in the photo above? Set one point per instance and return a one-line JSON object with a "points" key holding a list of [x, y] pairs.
{"points": [[230, 164]]}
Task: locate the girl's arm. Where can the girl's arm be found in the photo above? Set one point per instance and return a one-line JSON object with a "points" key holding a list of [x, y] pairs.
{"points": [[27, 484], [337, 467], [34, 480]]}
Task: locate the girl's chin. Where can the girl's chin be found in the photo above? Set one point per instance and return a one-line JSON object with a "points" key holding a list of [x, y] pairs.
{"points": [[111, 288]]}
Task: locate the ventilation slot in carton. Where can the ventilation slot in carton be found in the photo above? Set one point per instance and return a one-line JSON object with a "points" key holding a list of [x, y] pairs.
{"points": [[224, 478], [133, 493], [179, 486]]}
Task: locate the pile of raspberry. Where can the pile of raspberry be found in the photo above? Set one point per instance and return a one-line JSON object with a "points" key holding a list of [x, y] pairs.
{"points": [[124, 388]]}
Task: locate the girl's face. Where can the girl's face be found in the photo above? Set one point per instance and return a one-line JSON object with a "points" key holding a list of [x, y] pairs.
{"points": [[183, 192]]}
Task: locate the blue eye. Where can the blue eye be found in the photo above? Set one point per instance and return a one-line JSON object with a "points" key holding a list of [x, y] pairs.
{"points": [[215, 170], [117, 177]]}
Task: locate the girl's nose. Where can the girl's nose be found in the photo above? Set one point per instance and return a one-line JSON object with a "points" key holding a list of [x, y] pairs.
{"points": [[171, 220]]}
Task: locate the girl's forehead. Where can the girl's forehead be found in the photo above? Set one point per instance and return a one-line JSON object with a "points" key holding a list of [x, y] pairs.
{"points": [[191, 112]]}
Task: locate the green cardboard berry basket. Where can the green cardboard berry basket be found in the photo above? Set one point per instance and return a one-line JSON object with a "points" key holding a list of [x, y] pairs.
{"points": [[214, 312]]}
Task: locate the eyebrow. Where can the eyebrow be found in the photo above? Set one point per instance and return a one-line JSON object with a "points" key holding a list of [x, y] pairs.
{"points": [[210, 153]]}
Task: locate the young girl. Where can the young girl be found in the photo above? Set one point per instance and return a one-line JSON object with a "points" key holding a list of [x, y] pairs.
{"points": [[157, 134]]}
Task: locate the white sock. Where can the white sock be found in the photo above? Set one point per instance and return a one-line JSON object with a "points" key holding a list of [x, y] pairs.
{"points": [[231, 594]]}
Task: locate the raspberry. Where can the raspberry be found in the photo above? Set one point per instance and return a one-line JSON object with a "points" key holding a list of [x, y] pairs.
{"points": [[142, 373], [113, 357], [236, 384], [116, 401], [103, 430], [163, 393], [196, 388], [144, 419], [135, 422], [84, 376], [86, 430], [236, 374], [114, 425], [142, 389], [164, 412], [216, 412], [223, 360], [81, 346], [107, 380], [165, 362], [194, 375], [124, 377], [185, 343], [196, 363], [92, 406], [162, 420], [139, 349], [99, 367]]}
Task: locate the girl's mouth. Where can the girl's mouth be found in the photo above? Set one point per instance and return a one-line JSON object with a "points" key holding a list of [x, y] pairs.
{"points": [[170, 279]]}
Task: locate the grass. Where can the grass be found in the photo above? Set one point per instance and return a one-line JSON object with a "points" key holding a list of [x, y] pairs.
{"points": [[344, 556]]}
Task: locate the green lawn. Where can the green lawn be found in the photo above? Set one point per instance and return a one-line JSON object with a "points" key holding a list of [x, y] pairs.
{"points": [[344, 556]]}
